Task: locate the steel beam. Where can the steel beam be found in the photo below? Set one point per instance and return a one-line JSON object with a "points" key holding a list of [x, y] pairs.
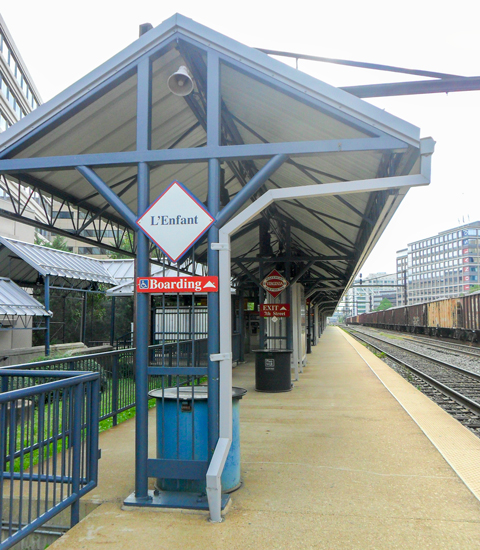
{"points": [[201, 154], [359, 64], [307, 191], [250, 189], [454, 84], [111, 197]]}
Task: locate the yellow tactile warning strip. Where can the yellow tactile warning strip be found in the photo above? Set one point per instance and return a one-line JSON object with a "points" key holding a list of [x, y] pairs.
{"points": [[459, 446]]}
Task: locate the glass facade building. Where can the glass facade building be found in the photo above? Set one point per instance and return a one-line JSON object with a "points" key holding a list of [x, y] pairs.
{"points": [[442, 266], [18, 94]]}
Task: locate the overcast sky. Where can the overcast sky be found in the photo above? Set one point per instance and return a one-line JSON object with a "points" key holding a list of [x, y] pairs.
{"points": [[62, 41]]}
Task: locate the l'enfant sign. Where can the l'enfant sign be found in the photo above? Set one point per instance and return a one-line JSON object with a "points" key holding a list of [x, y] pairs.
{"points": [[175, 221]]}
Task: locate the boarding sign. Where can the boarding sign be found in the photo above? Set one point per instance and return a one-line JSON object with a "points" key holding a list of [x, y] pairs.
{"points": [[175, 221], [163, 285], [274, 283], [274, 310]]}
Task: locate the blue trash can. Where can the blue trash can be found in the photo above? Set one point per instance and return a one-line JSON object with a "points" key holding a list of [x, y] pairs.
{"points": [[182, 433]]}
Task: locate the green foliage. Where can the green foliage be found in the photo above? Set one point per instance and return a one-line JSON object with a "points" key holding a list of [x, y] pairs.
{"points": [[384, 304], [126, 245], [58, 243], [474, 288]]}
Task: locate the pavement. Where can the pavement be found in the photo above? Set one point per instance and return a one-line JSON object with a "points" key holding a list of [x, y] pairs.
{"points": [[354, 457]]}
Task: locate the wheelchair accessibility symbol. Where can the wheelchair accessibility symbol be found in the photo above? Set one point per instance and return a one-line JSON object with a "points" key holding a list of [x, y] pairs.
{"points": [[144, 283]]}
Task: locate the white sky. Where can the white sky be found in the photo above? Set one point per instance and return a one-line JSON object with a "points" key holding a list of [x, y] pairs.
{"points": [[62, 41]]}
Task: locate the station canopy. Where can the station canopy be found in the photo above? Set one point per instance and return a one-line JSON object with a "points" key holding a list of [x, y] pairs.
{"points": [[267, 108], [14, 301], [25, 262]]}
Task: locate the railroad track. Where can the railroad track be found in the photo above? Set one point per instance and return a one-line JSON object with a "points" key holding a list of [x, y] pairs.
{"points": [[447, 346], [431, 341], [455, 389]]}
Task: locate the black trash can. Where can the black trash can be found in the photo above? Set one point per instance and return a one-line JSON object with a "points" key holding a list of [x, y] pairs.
{"points": [[272, 370]]}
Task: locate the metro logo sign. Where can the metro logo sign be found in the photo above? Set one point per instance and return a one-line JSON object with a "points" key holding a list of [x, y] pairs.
{"points": [[274, 310], [175, 285], [274, 283], [175, 221]]}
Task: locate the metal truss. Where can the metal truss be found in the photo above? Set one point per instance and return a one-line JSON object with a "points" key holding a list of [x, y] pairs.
{"points": [[11, 322]]}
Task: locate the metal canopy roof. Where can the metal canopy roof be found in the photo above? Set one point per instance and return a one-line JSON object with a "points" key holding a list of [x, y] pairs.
{"points": [[124, 270], [329, 136], [24, 262], [15, 301]]}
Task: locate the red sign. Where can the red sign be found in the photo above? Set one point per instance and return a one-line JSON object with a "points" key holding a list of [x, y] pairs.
{"points": [[177, 284], [274, 283], [274, 310]]}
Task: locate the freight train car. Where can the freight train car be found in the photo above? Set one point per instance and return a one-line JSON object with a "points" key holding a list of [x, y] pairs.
{"points": [[457, 318]]}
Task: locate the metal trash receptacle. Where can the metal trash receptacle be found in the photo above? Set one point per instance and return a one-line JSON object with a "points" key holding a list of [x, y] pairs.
{"points": [[182, 434], [273, 370]]}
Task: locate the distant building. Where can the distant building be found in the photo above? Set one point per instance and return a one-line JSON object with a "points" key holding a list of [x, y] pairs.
{"points": [[441, 266], [366, 296], [18, 97]]}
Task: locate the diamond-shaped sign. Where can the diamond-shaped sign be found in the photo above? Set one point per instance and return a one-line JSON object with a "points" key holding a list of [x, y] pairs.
{"points": [[175, 221], [274, 283]]}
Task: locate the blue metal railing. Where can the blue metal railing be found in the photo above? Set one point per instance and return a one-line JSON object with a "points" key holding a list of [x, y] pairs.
{"points": [[48, 447], [47, 405], [117, 370]]}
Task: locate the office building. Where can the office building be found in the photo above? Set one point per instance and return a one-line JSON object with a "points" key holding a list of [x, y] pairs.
{"points": [[441, 266]]}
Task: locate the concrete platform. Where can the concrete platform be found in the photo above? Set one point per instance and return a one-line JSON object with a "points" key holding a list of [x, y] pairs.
{"points": [[341, 462]]}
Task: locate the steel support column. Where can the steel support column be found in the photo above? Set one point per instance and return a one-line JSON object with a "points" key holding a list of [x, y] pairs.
{"points": [[46, 289], [309, 329], [144, 105], [241, 323], [288, 276], [83, 328], [112, 322], [141, 356], [213, 139]]}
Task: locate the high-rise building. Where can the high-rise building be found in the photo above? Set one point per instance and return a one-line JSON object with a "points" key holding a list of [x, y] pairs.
{"points": [[441, 266], [18, 97]]}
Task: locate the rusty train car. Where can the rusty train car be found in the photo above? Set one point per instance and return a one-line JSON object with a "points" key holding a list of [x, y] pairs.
{"points": [[457, 318]]}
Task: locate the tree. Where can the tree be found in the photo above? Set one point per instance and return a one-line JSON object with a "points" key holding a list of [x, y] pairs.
{"points": [[474, 288], [384, 304], [125, 245], [59, 243]]}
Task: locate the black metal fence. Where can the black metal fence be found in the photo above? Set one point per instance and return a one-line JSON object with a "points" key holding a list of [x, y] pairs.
{"points": [[48, 446]]}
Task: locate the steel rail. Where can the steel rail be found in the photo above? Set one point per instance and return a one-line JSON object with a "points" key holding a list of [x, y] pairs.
{"points": [[446, 390], [423, 356], [446, 346]]}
